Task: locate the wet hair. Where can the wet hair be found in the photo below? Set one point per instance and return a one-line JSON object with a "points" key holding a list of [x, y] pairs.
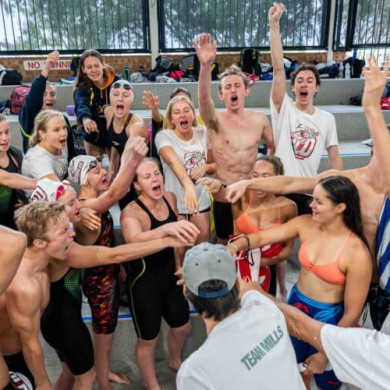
{"points": [[275, 161], [180, 90], [340, 189], [216, 308], [144, 160], [40, 124], [233, 70], [301, 68], [82, 80], [171, 103], [37, 218]]}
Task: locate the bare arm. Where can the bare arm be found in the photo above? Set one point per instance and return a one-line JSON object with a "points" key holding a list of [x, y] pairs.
{"points": [[206, 51], [374, 83], [138, 129], [16, 181], [335, 160], [13, 245], [135, 150], [268, 137], [278, 89], [24, 315], [151, 101], [113, 164]]}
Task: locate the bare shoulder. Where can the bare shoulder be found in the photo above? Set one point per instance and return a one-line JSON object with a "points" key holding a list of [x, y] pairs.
{"points": [[132, 210], [108, 113], [22, 297], [359, 253], [171, 198], [288, 206]]}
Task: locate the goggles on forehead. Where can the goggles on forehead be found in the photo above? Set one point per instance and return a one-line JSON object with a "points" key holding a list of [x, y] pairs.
{"points": [[122, 84]]}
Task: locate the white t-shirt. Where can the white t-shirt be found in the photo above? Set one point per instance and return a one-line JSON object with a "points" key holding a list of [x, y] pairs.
{"points": [[191, 153], [250, 349], [38, 162], [300, 138], [360, 357]]}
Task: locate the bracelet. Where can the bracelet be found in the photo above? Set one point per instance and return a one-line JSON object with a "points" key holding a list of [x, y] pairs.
{"points": [[234, 246], [247, 240]]}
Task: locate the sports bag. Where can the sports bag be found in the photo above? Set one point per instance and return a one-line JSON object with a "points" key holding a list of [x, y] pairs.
{"points": [[249, 61]]}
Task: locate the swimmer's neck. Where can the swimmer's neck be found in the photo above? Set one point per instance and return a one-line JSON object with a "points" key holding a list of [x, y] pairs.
{"points": [[121, 121], [239, 112], [36, 259], [52, 150], [255, 201], [99, 84], [306, 108], [335, 228], [152, 204], [88, 192]]}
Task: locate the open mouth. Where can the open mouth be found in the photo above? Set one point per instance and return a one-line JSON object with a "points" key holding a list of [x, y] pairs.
{"points": [[303, 93], [49, 104], [234, 98], [156, 188], [183, 123], [105, 181], [120, 109], [63, 142]]}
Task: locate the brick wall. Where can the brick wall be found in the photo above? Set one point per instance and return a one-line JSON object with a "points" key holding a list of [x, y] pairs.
{"points": [[135, 61]]}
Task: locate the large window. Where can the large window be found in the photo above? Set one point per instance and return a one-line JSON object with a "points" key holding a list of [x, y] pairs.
{"points": [[33, 26], [242, 23]]}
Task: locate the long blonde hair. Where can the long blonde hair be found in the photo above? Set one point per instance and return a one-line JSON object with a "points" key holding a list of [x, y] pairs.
{"points": [[171, 103], [40, 124]]}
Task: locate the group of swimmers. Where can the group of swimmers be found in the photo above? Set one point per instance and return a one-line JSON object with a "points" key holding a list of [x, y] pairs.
{"points": [[166, 211]]}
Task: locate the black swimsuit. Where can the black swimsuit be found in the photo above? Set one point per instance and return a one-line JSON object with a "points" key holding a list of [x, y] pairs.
{"points": [[62, 325], [153, 292]]}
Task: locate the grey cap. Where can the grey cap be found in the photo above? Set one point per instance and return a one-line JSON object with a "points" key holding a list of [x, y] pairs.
{"points": [[206, 262]]}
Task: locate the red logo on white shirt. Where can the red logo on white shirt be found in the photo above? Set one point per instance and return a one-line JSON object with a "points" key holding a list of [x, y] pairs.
{"points": [[304, 141]]}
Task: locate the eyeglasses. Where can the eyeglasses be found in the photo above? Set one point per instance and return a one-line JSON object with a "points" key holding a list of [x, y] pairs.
{"points": [[122, 84]]}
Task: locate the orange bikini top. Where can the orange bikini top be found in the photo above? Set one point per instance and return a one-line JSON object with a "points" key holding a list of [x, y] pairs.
{"points": [[330, 272]]}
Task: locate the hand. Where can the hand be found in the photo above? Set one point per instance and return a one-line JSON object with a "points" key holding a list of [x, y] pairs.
{"points": [[198, 172], [122, 273], [183, 230], [190, 200], [315, 364], [206, 49], [90, 126], [232, 249], [374, 83], [275, 13], [89, 219], [150, 100], [236, 190], [50, 61], [212, 185], [136, 149], [282, 293], [179, 274]]}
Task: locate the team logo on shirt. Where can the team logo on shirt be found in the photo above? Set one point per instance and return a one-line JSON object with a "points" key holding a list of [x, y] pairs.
{"points": [[303, 140], [20, 381], [193, 159]]}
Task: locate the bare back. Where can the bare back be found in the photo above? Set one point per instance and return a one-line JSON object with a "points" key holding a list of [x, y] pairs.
{"points": [[235, 141]]}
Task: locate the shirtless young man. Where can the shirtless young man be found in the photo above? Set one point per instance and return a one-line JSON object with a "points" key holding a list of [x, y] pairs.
{"points": [[23, 302], [234, 133], [301, 131]]}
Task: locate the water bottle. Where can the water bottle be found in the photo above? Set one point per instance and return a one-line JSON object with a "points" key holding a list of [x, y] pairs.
{"points": [[347, 71], [341, 70], [126, 73]]}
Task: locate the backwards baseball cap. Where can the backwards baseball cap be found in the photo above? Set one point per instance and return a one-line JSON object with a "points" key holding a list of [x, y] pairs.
{"points": [[79, 168], [206, 262], [48, 190]]}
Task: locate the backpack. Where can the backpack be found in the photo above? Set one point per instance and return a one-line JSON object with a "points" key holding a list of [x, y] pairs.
{"points": [[18, 98], [163, 64], [214, 71], [190, 65], [249, 61], [356, 67], [10, 77]]}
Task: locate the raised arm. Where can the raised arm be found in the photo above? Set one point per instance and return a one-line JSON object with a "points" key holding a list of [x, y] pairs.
{"points": [[278, 89], [13, 245], [374, 83], [135, 150], [152, 102], [206, 49], [25, 316]]}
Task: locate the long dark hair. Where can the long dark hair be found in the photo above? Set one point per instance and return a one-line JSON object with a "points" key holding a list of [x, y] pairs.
{"points": [[340, 189], [82, 80]]}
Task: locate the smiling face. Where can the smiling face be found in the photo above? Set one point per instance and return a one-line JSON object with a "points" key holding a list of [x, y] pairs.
{"points": [[149, 180], [49, 98], [72, 204], [305, 87], [59, 237], [262, 169], [5, 136], [233, 92], [97, 178], [56, 133], [93, 68], [182, 116], [323, 209], [121, 100]]}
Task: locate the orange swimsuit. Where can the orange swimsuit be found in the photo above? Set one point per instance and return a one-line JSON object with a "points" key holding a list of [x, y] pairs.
{"points": [[244, 225], [330, 272]]}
